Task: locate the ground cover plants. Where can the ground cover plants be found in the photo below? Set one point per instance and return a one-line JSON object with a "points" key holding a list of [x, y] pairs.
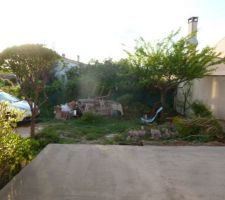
{"points": [[94, 129]]}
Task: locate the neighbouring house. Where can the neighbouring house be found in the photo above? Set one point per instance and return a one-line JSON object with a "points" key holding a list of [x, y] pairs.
{"points": [[60, 70], [65, 65], [211, 89]]}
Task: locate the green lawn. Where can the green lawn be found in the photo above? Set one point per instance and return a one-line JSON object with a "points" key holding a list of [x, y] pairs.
{"points": [[87, 130], [98, 130]]}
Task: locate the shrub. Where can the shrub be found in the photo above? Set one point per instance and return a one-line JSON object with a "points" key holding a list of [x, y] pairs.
{"points": [[200, 109], [134, 110], [14, 90], [206, 128], [5, 82], [15, 152], [125, 99], [90, 117], [47, 136]]}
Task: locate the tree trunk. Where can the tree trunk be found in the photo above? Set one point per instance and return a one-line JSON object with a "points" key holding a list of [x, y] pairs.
{"points": [[32, 124]]}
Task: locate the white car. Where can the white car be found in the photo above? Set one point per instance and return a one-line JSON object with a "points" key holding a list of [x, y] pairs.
{"points": [[17, 103]]}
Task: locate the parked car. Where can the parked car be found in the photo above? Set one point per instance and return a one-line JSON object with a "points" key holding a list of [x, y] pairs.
{"points": [[18, 104]]}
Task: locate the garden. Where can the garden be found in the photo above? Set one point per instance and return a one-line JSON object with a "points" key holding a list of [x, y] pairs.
{"points": [[144, 82]]}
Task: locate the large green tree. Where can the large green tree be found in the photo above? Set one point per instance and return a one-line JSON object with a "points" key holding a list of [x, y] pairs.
{"points": [[169, 62], [32, 64]]}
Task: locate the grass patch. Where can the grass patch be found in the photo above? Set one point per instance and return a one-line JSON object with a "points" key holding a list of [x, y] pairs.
{"points": [[98, 130], [86, 130]]}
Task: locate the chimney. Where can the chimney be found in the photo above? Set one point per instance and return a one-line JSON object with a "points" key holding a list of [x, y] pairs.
{"points": [[192, 28], [63, 55], [78, 58]]}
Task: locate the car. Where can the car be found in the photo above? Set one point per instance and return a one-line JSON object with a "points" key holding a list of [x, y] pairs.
{"points": [[20, 105]]}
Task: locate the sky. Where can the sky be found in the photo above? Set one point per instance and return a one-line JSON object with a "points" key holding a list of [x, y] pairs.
{"points": [[101, 29]]}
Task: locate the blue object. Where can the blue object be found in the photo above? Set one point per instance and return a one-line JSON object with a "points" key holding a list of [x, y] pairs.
{"points": [[152, 119]]}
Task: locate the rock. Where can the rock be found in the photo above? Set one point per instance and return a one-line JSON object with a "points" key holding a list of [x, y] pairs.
{"points": [[111, 136], [156, 134], [136, 133]]}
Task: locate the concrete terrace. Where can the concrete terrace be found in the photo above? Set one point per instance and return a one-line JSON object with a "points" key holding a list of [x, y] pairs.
{"points": [[97, 172]]}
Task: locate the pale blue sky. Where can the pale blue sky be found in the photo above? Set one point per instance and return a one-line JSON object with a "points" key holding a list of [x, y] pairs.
{"points": [[97, 28]]}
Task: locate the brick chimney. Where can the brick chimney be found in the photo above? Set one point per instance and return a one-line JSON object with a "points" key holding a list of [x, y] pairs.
{"points": [[193, 28]]}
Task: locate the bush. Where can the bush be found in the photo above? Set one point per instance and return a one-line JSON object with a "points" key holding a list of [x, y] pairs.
{"points": [[90, 117], [134, 110], [47, 136], [15, 152], [125, 99], [13, 90], [200, 110], [5, 82], [207, 129]]}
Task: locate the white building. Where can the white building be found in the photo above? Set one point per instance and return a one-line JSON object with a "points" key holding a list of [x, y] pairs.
{"points": [[211, 89], [65, 65]]}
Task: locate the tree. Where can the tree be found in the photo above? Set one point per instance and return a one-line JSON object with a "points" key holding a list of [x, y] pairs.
{"points": [[168, 63], [32, 64]]}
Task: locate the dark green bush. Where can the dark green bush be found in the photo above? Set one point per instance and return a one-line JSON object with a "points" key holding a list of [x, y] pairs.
{"points": [[200, 110], [90, 117], [47, 136], [125, 99], [134, 110]]}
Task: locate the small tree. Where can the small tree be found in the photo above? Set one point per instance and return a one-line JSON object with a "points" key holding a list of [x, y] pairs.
{"points": [[169, 62], [32, 64], [185, 94]]}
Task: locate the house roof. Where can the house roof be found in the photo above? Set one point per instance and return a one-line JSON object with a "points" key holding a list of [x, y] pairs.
{"points": [[71, 61], [77, 63]]}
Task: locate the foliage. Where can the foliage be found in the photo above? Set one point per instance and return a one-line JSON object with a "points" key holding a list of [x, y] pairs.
{"points": [[15, 152], [82, 131], [5, 82], [169, 62], [114, 80], [46, 137], [56, 95], [200, 109], [134, 109], [7, 86], [32, 64], [208, 129], [111, 79], [125, 99], [90, 117], [100, 79], [13, 90]]}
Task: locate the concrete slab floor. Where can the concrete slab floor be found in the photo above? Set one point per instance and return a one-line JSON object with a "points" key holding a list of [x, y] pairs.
{"points": [[97, 172]]}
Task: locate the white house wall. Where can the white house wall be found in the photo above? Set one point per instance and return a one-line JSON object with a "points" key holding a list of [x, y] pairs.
{"points": [[211, 91], [63, 67]]}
